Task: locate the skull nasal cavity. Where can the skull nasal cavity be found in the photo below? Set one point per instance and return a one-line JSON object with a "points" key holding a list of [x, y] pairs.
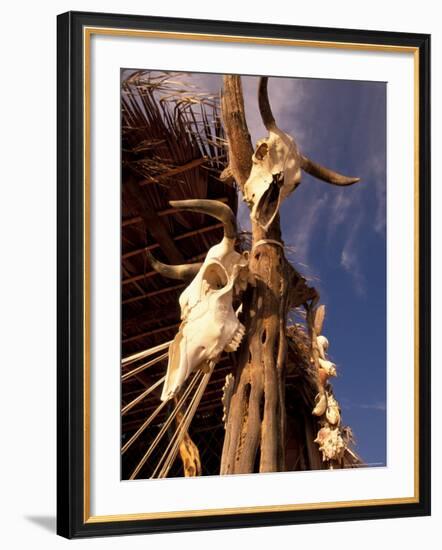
{"points": [[261, 151], [215, 277]]}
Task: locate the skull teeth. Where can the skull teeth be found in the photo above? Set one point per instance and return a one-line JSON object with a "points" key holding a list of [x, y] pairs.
{"points": [[237, 337]]}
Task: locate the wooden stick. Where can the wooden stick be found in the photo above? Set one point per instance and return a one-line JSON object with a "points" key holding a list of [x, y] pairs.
{"points": [[177, 238], [178, 170], [143, 426], [144, 366], [165, 456], [131, 221], [145, 393], [166, 212], [153, 293], [145, 353], [187, 419], [165, 426], [149, 333]]}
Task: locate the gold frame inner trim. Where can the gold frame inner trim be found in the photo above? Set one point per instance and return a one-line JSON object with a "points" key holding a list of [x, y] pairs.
{"points": [[87, 34]]}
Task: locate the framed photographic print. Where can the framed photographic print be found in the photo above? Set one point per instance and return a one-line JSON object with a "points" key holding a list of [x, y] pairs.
{"points": [[243, 274]]}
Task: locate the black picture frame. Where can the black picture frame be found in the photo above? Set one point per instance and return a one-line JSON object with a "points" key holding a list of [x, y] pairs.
{"points": [[71, 518]]}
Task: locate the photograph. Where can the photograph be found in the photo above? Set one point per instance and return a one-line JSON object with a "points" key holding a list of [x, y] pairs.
{"points": [[253, 274], [243, 274]]}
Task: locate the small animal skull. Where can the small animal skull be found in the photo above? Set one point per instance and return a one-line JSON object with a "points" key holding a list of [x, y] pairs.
{"points": [[330, 443], [332, 413], [209, 323], [322, 343]]}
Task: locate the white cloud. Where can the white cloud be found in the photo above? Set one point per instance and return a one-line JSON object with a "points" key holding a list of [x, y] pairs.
{"points": [[376, 406], [379, 176], [380, 406], [307, 224], [286, 96], [343, 203], [350, 260]]}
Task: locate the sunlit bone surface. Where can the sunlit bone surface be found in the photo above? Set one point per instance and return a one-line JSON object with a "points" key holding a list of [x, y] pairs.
{"points": [[324, 402], [209, 323], [330, 443], [276, 171], [332, 413]]}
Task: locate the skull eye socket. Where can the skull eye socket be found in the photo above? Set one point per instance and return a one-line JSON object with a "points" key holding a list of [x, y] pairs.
{"points": [[262, 151], [214, 278]]}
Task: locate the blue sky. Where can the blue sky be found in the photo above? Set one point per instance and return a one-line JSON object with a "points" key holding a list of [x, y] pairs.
{"points": [[337, 236]]}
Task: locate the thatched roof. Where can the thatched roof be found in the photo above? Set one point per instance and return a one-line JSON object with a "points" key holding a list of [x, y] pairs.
{"points": [[172, 148]]}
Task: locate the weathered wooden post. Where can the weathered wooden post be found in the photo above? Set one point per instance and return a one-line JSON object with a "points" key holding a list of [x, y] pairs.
{"points": [[256, 417]]}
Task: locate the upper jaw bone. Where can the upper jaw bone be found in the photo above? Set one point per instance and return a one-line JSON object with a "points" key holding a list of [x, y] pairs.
{"points": [[275, 174]]}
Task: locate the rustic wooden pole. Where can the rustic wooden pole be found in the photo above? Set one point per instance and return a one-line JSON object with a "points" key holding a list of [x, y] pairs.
{"points": [[256, 421], [255, 427]]}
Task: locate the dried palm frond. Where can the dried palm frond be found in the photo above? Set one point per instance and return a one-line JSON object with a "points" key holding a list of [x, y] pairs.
{"points": [[183, 124]]}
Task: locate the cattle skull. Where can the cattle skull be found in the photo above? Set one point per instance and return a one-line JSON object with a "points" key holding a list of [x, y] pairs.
{"points": [[209, 324], [276, 168]]}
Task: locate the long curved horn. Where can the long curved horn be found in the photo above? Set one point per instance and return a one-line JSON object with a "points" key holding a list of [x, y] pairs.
{"points": [[264, 104], [217, 209], [181, 272], [307, 165], [325, 174]]}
